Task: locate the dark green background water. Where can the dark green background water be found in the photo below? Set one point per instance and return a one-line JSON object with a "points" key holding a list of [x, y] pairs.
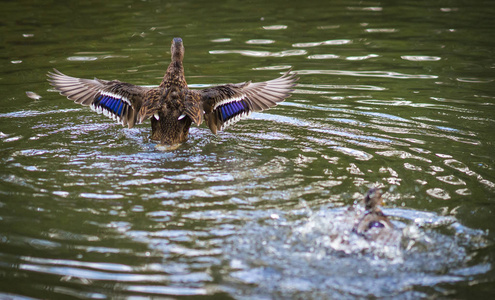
{"points": [[395, 94]]}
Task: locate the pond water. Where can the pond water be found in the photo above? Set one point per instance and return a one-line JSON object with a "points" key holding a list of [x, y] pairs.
{"points": [[391, 95]]}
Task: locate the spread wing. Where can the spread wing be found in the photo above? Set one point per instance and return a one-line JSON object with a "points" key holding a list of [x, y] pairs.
{"points": [[224, 105], [117, 100]]}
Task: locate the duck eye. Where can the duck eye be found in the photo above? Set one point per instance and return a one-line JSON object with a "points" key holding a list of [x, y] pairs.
{"points": [[375, 224]]}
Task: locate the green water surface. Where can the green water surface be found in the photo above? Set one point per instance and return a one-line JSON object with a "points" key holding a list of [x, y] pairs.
{"points": [[394, 94]]}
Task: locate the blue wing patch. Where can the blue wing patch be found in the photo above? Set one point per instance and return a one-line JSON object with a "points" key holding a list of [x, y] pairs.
{"points": [[233, 109], [111, 105]]}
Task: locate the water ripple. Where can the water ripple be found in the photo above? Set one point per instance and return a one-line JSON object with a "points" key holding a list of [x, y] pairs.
{"points": [[421, 58], [260, 42], [91, 274], [386, 74], [344, 87], [261, 53], [275, 27], [166, 290], [323, 43]]}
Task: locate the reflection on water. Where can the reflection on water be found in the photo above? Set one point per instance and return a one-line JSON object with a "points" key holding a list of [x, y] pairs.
{"points": [[387, 74], [89, 209], [316, 44], [261, 53]]}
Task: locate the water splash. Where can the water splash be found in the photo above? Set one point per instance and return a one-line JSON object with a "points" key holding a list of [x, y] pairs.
{"points": [[320, 257]]}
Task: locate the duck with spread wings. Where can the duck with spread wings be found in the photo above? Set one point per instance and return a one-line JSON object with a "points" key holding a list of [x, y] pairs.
{"points": [[172, 106]]}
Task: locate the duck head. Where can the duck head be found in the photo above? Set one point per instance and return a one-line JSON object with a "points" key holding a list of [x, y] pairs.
{"points": [[177, 49], [373, 199]]}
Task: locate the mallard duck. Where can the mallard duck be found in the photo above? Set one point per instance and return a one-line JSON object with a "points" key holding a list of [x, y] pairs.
{"points": [[373, 217], [172, 106]]}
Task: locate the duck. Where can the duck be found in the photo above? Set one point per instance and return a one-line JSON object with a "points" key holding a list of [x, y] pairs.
{"points": [[172, 106], [374, 220]]}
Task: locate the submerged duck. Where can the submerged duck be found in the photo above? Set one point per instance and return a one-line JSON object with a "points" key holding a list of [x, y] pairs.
{"points": [[172, 106], [373, 217]]}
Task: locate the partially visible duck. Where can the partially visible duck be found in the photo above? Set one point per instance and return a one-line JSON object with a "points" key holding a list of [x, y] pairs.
{"points": [[373, 217], [172, 106]]}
